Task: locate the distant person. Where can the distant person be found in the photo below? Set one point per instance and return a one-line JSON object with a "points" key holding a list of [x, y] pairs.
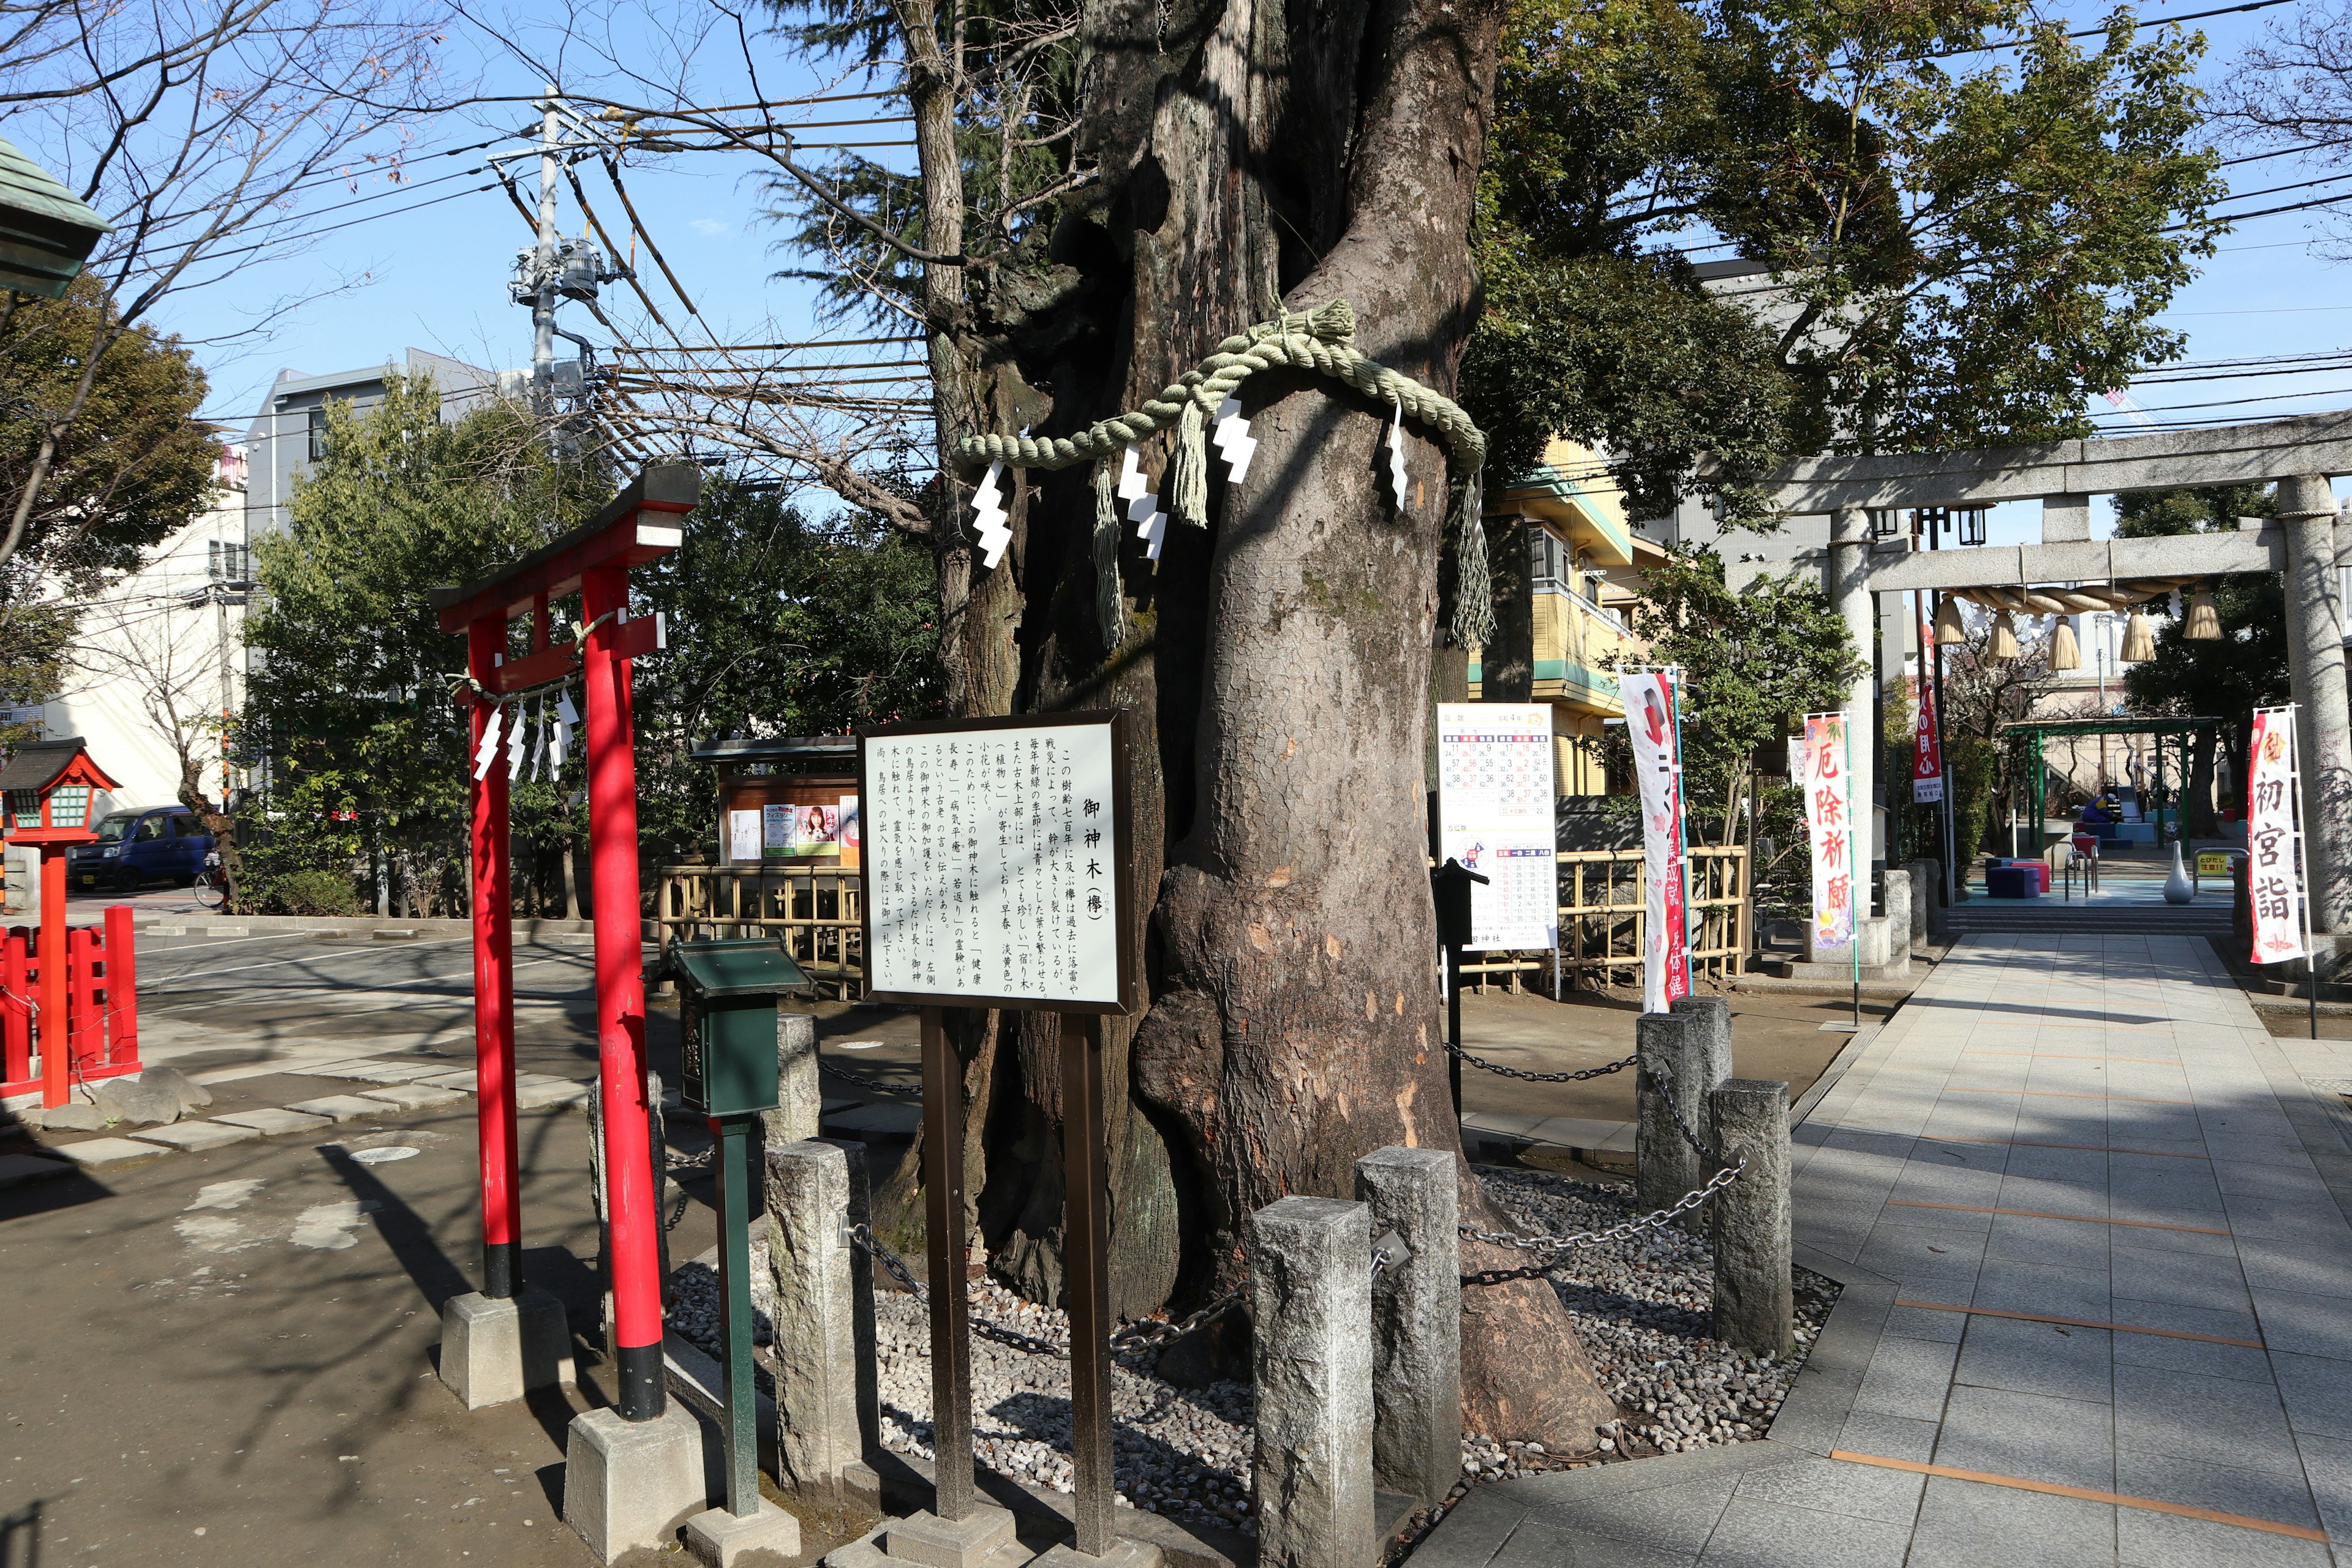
{"points": [[2106, 808]]}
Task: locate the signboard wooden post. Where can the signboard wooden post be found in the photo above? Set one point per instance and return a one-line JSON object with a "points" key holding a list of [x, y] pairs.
{"points": [[996, 866]]}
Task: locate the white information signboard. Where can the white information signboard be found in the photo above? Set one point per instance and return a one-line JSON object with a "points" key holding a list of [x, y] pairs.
{"points": [[995, 864], [1495, 815]]}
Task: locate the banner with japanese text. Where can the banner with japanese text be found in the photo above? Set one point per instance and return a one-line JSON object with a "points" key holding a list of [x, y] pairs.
{"points": [[1653, 722], [1926, 752], [1829, 828], [2274, 847]]}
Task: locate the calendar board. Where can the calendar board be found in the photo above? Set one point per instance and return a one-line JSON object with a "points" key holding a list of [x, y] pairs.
{"points": [[1495, 809], [995, 863]]}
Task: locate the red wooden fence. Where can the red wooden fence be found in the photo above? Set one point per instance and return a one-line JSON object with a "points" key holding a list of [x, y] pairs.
{"points": [[102, 1024]]}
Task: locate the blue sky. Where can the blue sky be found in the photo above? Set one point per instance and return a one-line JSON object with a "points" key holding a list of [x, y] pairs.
{"points": [[435, 278]]}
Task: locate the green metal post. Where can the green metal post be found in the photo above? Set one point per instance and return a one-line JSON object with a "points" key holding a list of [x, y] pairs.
{"points": [[2041, 796], [731, 1149]]}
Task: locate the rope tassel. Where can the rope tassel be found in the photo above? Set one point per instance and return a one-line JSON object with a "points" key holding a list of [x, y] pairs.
{"points": [[1474, 588], [1110, 603], [1188, 476]]}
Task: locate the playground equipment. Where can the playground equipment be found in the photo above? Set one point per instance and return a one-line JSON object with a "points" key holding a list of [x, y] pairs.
{"points": [[85, 984]]}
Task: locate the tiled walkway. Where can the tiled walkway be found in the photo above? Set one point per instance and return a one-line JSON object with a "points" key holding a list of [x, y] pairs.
{"points": [[2087, 1129]]}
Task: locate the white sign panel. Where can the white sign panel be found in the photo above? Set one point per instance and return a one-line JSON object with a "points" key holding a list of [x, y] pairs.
{"points": [[1494, 805], [994, 865], [743, 835]]}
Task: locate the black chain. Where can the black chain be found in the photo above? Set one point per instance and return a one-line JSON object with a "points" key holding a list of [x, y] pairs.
{"points": [[1522, 1074], [862, 1080], [1662, 1079]]}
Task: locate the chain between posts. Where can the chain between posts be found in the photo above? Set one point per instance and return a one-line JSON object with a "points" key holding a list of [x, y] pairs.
{"points": [[1724, 1176], [850, 1075], [1127, 1341], [1523, 1075]]}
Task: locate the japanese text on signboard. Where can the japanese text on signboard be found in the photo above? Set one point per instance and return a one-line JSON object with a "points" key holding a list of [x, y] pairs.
{"points": [[1828, 827], [990, 861], [1495, 803]]}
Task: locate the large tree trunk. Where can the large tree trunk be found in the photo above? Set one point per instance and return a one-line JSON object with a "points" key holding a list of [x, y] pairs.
{"points": [[1279, 666]]}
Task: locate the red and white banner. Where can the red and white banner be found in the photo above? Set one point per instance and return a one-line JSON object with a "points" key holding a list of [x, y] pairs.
{"points": [[1829, 828], [2274, 847], [1652, 718], [1926, 755]]}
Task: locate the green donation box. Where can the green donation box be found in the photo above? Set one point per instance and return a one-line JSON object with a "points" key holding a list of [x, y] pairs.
{"points": [[727, 1071], [727, 1022]]}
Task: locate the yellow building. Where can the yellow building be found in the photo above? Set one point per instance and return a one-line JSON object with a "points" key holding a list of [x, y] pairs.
{"points": [[1563, 622]]}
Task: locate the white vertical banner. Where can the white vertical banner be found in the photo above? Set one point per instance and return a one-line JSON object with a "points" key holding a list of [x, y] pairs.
{"points": [[2274, 845], [1653, 722], [1829, 828], [1495, 805]]}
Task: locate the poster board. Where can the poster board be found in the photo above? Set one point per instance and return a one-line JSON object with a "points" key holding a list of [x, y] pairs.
{"points": [[1496, 803], [1653, 724], [2275, 848], [996, 860], [1829, 828]]}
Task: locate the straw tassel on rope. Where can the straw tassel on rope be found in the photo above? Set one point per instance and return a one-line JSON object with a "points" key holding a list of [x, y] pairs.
{"points": [[1111, 601]]}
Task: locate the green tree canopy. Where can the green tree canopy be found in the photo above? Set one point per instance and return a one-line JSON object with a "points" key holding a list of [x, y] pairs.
{"points": [[1963, 242]]}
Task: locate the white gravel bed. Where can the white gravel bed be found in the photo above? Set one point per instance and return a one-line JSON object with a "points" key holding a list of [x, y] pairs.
{"points": [[1182, 1452], [1641, 1308]]}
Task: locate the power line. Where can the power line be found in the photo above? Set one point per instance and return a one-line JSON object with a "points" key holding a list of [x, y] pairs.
{"points": [[2101, 32]]}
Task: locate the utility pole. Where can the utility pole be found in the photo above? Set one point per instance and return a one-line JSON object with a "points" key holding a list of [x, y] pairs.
{"points": [[546, 264]]}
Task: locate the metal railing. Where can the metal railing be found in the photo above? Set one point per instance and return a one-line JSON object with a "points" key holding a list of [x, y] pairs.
{"points": [[818, 914]]}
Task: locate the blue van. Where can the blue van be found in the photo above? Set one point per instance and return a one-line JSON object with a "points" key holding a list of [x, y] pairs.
{"points": [[161, 842]]}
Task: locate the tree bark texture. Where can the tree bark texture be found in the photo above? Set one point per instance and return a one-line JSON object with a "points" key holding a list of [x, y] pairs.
{"points": [[1277, 666]]}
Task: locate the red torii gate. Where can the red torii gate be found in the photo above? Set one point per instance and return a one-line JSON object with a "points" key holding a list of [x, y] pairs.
{"points": [[641, 524]]}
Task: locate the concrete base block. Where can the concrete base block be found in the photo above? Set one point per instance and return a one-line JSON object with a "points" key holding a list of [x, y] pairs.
{"points": [[630, 1485], [768, 1539], [108, 1154], [198, 1136], [1124, 1553], [415, 1097], [937, 1542], [493, 1351]]}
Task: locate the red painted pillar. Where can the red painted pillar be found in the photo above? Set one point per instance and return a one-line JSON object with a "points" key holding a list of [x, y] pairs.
{"points": [[84, 1021], [621, 1003], [49, 1022], [494, 1064], [121, 989], [15, 1010]]}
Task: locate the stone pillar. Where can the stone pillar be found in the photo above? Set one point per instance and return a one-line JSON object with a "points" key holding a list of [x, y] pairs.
{"points": [[1845, 580], [816, 1347], [1311, 1364], [1416, 1321], [1754, 1296], [1927, 895], [1676, 1049], [1704, 1061], [800, 1102], [861, 1307], [2065, 520], [1901, 897], [2314, 632]]}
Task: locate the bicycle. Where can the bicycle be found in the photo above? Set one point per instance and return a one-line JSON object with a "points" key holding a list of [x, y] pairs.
{"points": [[210, 887]]}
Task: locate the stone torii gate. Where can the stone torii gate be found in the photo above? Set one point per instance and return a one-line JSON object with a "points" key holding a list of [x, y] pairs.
{"points": [[2304, 541]]}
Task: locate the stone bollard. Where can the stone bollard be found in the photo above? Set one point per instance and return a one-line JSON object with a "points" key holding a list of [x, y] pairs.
{"points": [[817, 1349], [1415, 1199], [1902, 902], [800, 1102], [1926, 898], [1311, 1366], [1753, 1293], [1690, 1049]]}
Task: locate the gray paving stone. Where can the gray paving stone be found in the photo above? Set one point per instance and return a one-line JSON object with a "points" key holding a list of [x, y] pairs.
{"points": [[2055, 1359], [2162, 1355], [1553, 1547], [2068, 1441], [2297, 1323], [1964, 1524], [1908, 1378], [2189, 1279], [1667, 1518], [2063, 1243], [2279, 1496], [107, 1153], [339, 1107], [2206, 1418], [198, 1136], [2043, 1288], [539, 1096], [1902, 1251], [2327, 1470], [2145, 1539], [1759, 1534], [1918, 1324], [273, 1121], [413, 1097], [1888, 1437], [1833, 1486], [2285, 1266]]}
